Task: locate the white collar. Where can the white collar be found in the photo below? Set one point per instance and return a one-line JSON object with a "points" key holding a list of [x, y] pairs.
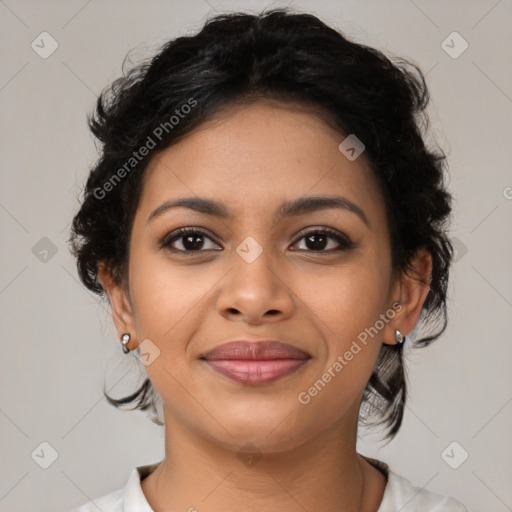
{"points": [[399, 492]]}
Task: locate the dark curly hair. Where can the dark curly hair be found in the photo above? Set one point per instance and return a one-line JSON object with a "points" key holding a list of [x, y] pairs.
{"points": [[291, 57]]}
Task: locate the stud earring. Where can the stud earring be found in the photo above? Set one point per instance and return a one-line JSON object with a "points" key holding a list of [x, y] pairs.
{"points": [[400, 338], [125, 341]]}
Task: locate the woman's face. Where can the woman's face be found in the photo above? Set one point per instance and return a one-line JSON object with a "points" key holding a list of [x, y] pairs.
{"points": [[257, 275]]}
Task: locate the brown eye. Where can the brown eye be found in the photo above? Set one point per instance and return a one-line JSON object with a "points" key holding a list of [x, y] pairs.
{"points": [[317, 240], [192, 240]]}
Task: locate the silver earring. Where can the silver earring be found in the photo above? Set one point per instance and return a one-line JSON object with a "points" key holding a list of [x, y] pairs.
{"points": [[400, 338], [125, 341]]}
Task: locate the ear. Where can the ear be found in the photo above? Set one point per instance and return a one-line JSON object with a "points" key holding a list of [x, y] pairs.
{"points": [[122, 309], [410, 291]]}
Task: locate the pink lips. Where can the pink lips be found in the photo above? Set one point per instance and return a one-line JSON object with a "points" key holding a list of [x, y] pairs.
{"points": [[256, 363]]}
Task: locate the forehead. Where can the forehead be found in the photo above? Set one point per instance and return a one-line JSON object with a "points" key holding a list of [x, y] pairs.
{"points": [[252, 156]]}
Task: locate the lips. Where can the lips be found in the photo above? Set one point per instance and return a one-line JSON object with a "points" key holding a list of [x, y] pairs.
{"points": [[256, 363], [260, 350]]}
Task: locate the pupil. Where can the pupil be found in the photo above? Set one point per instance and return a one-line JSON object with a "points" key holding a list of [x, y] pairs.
{"points": [[316, 246], [192, 245]]}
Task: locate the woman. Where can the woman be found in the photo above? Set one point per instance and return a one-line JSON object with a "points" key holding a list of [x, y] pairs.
{"points": [[269, 227]]}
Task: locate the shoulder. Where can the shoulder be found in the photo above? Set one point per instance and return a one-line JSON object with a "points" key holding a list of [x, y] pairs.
{"points": [[405, 496], [112, 502], [128, 499], [401, 494]]}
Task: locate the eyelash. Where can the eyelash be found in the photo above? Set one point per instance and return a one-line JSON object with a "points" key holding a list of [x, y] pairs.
{"points": [[345, 242]]}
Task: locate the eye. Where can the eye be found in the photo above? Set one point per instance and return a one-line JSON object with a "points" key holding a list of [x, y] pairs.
{"points": [[191, 239], [317, 240], [194, 240]]}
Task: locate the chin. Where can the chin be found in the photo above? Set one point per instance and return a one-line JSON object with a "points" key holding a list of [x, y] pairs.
{"points": [[265, 432]]}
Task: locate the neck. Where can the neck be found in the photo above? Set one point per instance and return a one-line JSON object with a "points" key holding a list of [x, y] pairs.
{"points": [[324, 473]]}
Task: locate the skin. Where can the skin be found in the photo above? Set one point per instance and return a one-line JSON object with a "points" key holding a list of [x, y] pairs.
{"points": [[252, 159]]}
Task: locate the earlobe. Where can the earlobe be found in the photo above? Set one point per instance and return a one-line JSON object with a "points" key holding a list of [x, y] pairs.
{"points": [[412, 292]]}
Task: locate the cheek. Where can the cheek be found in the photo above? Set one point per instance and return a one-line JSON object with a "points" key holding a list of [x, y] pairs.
{"points": [[166, 304], [171, 302], [346, 298], [347, 303], [162, 296]]}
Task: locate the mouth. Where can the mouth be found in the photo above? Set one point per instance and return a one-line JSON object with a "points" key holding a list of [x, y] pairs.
{"points": [[256, 363]]}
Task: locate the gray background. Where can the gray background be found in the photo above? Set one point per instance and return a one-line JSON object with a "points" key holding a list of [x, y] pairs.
{"points": [[58, 341]]}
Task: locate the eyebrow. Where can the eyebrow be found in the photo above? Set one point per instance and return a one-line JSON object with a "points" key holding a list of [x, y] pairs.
{"points": [[300, 206]]}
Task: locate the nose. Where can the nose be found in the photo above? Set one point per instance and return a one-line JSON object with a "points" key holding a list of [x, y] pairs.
{"points": [[256, 292]]}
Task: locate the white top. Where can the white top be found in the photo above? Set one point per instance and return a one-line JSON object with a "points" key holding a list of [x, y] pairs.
{"points": [[399, 495]]}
